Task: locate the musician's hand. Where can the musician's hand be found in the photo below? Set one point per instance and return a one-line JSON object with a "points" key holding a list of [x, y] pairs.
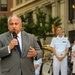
{"points": [[36, 66], [73, 53]]}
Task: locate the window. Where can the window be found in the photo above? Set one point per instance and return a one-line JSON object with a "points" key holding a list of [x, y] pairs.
{"points": [[3, 5], [72, 36], [71, 10], [30, 17], [18, 2], [73, 7]]}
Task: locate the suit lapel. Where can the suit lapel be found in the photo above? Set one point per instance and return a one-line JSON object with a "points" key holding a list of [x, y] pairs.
{"points": [[9, 37], [25, 44]]}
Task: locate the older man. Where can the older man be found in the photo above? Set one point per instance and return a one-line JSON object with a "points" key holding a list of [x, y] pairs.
{"points": [[17, 49]]}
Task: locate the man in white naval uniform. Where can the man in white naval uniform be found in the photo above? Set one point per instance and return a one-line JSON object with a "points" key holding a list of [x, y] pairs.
{"points": [[60, 47]]}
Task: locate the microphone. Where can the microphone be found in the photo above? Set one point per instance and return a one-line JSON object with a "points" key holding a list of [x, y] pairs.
{"points": [[14, 35]]}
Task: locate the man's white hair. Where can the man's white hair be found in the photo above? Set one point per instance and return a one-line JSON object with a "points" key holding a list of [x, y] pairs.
{"points": [[12, 16]]}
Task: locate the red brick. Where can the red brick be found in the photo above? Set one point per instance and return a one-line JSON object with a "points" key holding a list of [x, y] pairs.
{"points": [[9, 6]]}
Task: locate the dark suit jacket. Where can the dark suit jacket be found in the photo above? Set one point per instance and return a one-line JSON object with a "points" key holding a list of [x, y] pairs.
{"points": [[11, 63]]}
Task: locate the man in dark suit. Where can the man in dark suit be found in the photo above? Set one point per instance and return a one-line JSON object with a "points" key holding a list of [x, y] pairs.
{"points": [[12, 63]]}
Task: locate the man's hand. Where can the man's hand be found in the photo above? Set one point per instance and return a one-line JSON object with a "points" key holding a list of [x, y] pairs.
{"points": [[13, 43], [60, 57], [73, 53], [36, 66], [31, 53]]}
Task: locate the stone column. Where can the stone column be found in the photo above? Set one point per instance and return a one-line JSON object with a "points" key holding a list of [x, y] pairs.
{"points": [[53, 9], [63, 15], [34, 16], [23, 1], [14, 3]]}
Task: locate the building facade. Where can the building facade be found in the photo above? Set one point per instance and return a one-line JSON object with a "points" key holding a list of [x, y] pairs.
{"points": [[5, 6], [54, 7]]}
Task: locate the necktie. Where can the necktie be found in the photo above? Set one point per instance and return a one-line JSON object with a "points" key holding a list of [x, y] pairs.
{"points": [[18, 46]]}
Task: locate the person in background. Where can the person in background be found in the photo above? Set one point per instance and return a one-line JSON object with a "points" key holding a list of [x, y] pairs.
{"points": [[18, 49], [73, 58], [37, 66], [60, 47]]}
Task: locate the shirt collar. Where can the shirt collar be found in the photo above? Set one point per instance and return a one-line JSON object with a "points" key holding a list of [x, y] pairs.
{"points": [[19, 34], [60, 38]]}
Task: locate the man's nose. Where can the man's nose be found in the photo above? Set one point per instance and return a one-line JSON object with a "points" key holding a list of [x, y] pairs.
{"points": [[14, 25]]}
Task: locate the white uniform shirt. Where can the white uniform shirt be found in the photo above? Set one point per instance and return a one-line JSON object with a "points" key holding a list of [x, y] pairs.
{"points": [[39, 62], [73, 59], [60, 44], [73, 48]]}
